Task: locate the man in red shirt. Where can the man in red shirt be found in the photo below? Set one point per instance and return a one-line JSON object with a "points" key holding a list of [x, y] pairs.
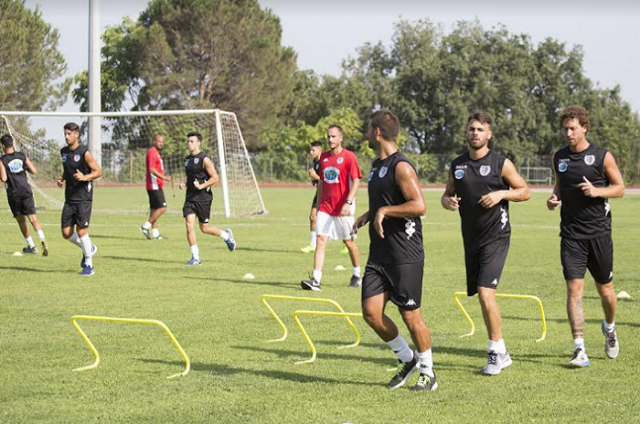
{"points": [[339, 180], [155, 182]]}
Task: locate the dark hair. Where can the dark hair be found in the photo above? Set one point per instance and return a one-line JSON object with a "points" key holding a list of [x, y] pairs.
{"points": [[575, 112], [338, 127], [482, 117], [6, 140], [195, 134], [316, 144], [387, 122], [71, 126]]}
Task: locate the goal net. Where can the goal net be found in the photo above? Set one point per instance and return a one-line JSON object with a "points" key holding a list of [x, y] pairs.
{"points": [[125, 138]]}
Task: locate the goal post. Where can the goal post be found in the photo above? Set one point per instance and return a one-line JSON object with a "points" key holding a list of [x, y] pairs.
{"points": [[125, 138]]}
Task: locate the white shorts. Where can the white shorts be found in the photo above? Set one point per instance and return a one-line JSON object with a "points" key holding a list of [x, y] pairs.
{"points": [[334, 227]]}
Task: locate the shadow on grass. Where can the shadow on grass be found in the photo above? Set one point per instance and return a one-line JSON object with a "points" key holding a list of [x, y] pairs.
{"points": [[226, 370], [254, 249], [247, 282], [102, 236], [44, 271], [132, 258]]}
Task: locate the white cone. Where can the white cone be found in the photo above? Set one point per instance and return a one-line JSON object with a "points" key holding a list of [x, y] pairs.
{"points": [[16, 253], [624, 295], [340, 268], [249, 276]]}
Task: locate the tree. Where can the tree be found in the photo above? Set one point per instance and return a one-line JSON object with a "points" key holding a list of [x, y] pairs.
{"points": [[29, 60], [192, 54]]}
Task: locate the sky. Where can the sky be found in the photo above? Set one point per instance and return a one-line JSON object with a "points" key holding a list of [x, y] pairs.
{"points": [[325, 32]]}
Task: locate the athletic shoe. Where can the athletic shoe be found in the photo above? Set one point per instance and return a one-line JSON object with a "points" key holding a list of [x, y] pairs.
{"points": [[496, 362], [231, 242], [310, 284], [355, 282], [308, 249], [145, 232], [45, 250], [194, 261], [94, 250], [611, 346], [425, 382], [579, 359], [344, 250], [405, 369], [31, 250], [87, 271]]}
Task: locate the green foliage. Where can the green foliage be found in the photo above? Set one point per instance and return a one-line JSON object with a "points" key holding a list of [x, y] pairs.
{"points": [[29, 60]]}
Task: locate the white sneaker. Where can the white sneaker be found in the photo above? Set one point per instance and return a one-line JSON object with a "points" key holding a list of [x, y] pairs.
{"points": [[579, 359], [611, 346], [496, 362]]}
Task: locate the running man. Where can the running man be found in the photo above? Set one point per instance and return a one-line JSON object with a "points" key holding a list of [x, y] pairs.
{"points": [[340, 179], [396, 256], [315, 150], [586, 177], [201, 175], [155, 182], [481, 185], [13, 172], [79, 170]]}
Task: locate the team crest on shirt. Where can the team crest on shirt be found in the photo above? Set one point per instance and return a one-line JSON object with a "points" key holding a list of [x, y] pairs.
{"points": [[340, 160], [562, 166], [383, 172], [459, 174], [16, 166], [196, 160], [484, 170], [372, 173], [331, 175], [186, 163], [589, 159], [76, 158], [64, 158]]}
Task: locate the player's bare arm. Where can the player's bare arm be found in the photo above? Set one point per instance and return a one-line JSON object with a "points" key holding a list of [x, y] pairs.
{"points": [[449, 200], [153, 171], [313, 174], [3, 173], [30, 166], [360, 222], [414, 206], [213, 175], [353, 192], [96, 171], [554, 200], [519, 190], [616, 184]]}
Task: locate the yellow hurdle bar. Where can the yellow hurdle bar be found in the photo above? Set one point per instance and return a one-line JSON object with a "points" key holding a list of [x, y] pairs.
{"points": [[264, 298], [320, 313], [132, 321], [508, 296]]}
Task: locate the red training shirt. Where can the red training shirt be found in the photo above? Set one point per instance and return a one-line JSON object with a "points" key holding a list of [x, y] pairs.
{"points": [[154, 160], [337, 174]]}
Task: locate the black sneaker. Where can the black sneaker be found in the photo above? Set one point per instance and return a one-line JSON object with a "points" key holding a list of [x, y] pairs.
{"points": [[355, 282], [426, 382], [310, 284], [45, 250], [405, 369], [30, 250]]}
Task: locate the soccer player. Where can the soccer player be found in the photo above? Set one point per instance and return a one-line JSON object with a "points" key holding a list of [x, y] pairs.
{"points": [[13, 172], [315, 150], [340, 179], [481, 184], [586, 177], [79, 170], [396, 255], [201, 175], [155, 182]]}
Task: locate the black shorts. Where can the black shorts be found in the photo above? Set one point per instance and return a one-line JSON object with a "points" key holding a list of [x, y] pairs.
{"points": [[594, 254], [78, 214], [403, 282], [315, 199], [484, 266], [156, 199], [24, 206], [201, 209]]}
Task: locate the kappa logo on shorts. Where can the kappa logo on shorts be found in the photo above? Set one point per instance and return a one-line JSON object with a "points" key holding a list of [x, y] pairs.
{"points": [[589, 159], [410, 302], [383, 172], [206, 220], [331, 175], [611, 274], [86, 223], [563, 166], [459, 174], [494, 282], [340, 160], [484, 170], [16, 166]]}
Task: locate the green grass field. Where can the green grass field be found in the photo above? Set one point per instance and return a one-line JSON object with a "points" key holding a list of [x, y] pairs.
{"points": [[237, 377]]}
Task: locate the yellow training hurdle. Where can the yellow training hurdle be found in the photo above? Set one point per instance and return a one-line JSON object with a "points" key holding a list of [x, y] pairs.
{"points": [[320, 313], [75, 318], [346, 316], [508, 296]]}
